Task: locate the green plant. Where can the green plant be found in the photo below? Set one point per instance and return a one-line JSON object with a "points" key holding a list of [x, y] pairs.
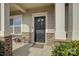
{"points": [[1, 48], [67, 49]]}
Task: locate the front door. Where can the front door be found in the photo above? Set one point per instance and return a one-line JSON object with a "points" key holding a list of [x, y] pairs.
{"points": [[39, 29]]}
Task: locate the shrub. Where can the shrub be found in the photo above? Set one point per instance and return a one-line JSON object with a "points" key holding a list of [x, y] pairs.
{"points": [[1, 48], [67, 49]]}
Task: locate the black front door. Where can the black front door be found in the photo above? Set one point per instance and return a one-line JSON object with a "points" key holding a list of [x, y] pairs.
{"points": [[39, 29]]}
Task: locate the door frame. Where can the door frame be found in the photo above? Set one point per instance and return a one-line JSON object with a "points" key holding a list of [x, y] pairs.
{"points": [[33, 27]]}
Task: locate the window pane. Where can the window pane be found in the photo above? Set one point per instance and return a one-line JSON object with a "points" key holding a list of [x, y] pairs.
{"points": [[17, 22], [17, 25]]}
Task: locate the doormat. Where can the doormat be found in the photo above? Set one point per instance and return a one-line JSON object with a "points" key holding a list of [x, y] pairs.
{"points": [[38, 45]]}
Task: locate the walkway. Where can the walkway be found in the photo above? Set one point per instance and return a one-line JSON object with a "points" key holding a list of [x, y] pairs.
{"points": [[28, 50]]}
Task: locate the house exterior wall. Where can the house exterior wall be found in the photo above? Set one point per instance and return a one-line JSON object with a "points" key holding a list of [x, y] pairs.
{"points": [[71, 22], [27, 19], [27, 22], [27, 25]]}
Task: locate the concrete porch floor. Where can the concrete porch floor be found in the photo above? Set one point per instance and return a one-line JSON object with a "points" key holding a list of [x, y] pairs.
{"points": [[26, 49]]}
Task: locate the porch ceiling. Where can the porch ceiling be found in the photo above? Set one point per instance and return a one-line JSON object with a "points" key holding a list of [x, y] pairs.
{"points": [[22, 7]]}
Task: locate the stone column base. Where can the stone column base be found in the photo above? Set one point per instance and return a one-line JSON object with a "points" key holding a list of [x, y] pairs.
{"points": [[50, 38], [60, 35], [8, 45], [75, 35]]}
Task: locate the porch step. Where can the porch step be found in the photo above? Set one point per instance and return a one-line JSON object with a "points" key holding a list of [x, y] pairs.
{"points": [[38, 45]]}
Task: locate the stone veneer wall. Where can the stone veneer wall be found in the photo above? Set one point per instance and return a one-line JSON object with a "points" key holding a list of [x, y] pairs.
{"points": [[8, 45], [27, 36], [50, 38]]}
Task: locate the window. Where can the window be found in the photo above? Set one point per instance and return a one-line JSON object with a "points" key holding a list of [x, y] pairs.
{"points": [[16, 24]]}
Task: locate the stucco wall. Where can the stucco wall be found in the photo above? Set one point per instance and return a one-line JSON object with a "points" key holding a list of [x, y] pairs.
{"points": [[27, 23], [27, 20]]}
